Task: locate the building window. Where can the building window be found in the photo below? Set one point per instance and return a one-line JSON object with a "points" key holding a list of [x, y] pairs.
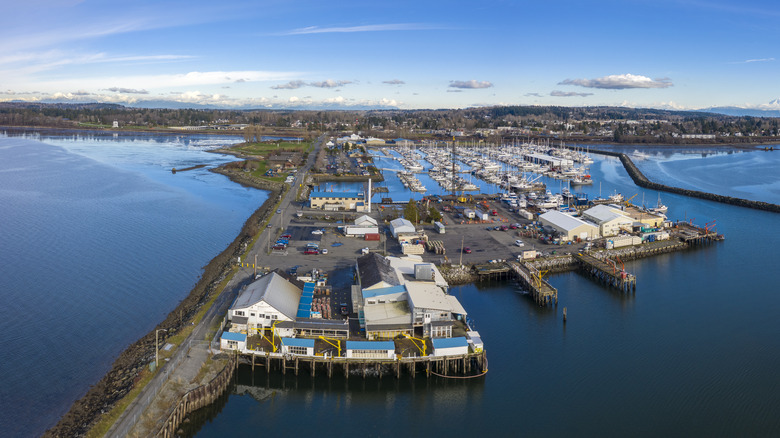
{"points": [[252, 314], [232, 344], [261, 316], [297, 350], [238, 313]]}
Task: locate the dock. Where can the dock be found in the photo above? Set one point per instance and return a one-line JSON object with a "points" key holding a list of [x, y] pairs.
{"points": [[541, 291], [461, 365], [695, 235], [607, 271]]}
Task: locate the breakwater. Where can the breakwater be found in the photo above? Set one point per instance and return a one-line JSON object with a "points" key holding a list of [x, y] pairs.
{"points": [[642, 181], [127, 368]]}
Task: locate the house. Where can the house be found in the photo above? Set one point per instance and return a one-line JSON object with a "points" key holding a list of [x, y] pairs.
{"points": [[298, 346], [232, 341], [338, 201], [331, 328], [611, 221], [569, 227], [450, 347], [264, 302], [370, 349]]}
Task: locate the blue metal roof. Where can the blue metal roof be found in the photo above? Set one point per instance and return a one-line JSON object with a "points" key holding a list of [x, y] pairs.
{"points": [[230, 336], [336, 195], [298, 342], [371, 293], [308, 287], [306, 299], [303, 314], [370, 345], [450, 342]]}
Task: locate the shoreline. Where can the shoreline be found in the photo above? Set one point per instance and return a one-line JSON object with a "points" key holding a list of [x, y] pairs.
{"points": [[118, 381], [103, 395]]}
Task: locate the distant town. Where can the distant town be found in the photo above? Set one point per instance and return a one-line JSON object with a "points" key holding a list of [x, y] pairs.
{"points": [[575, 124]]}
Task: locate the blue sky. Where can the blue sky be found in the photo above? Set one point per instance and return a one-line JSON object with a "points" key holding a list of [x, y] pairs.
{"points": [[406, 54]]}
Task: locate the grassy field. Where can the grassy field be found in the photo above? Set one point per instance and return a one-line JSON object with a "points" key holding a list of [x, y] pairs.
{"points": [[266, 148]]}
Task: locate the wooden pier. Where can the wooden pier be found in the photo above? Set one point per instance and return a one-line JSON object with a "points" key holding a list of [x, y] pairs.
{"points": [[455, 366], [607, 273], [695, 235], [541, 291]]}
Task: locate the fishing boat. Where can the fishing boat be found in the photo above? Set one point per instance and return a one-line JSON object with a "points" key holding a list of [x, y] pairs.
{"points": [[660, 207]]}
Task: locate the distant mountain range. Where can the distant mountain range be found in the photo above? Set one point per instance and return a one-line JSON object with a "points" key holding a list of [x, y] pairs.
{"points": [[771, 109]]}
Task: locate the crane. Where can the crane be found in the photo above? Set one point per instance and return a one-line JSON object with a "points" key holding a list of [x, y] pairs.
{"points": [[337, 344], [627, 202], [422, 346], [709, 226], [262, 330]]}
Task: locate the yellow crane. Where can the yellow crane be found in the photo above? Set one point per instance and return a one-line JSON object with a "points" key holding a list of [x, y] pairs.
{"points": [[538, 275], [627, 202], [337, 344], [421, 346], [262, 332]]}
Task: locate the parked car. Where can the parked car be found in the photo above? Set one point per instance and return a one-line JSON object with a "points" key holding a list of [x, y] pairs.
{"points": [[467, 250], [279, 211], [311, 251], [317, 232], [519, 243], [324, 251], [286, 236], [364, 251]]}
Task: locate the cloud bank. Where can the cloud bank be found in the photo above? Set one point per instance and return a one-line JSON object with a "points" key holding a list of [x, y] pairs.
{"points": [[470, 84], [556, 93], [620, 82]]}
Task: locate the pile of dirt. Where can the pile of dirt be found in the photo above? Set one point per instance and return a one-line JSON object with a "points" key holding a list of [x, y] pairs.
{"points": [[125, 371]]}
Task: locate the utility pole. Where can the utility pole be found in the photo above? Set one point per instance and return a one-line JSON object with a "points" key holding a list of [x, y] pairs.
{"points": [[461, 251]]}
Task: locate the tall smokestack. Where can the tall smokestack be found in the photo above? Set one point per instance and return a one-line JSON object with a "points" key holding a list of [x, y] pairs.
{"points": [[368, 195]]}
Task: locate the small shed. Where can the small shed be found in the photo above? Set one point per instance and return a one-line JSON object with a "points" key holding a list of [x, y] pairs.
{"points": [[450, 346], [232, 341], [475, 340], [370, 349], [298, 346]]}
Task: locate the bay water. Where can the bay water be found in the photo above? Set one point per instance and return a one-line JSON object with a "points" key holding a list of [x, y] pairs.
{"points": [[99, 241], [694, 352]]}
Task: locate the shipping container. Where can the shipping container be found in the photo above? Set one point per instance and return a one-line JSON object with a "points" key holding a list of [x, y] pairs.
{"points": [[372, 236]]}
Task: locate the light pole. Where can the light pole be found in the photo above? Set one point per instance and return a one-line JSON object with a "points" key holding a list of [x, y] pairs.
{"points": [[157, 345]]}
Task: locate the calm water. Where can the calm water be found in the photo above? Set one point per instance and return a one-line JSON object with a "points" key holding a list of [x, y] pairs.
{"points": [[694, 352], [99, 241]]}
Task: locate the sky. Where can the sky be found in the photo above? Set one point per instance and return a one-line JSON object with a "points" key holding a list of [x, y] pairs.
{"points": [[672, 54]]}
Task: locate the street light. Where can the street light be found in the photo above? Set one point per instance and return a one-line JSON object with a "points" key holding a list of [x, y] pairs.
{"points": [[157, 345]]}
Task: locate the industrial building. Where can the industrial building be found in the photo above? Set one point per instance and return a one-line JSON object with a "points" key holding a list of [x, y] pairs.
{"points": [[569, 227], [610, 220], [340, 201]]}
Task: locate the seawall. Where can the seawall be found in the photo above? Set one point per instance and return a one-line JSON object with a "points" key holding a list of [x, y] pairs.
{"points": [[642, 181]]}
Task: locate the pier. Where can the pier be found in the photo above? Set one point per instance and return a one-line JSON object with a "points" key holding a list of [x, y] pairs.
{"points": [[456, 366], [541, 291], [607, 272]]}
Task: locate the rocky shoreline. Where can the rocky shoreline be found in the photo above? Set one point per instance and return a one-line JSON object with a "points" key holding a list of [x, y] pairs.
{"points": [[126, 369]]}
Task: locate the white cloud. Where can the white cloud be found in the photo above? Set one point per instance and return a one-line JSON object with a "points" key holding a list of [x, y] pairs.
{"points": [[145, 82], [748, 61], [292, 85], [127, 90], [363, 28], [556, 93], [394, 82], [470, 84], [620, 82], [329, 83]]}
